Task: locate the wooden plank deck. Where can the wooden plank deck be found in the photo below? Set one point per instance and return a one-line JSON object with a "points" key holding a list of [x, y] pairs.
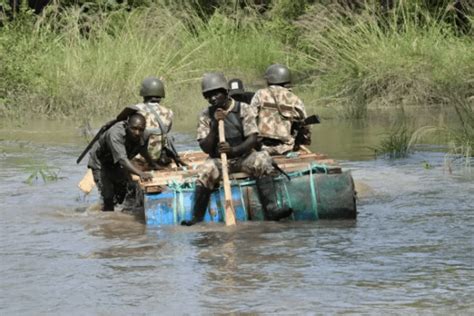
{"points": [[193, 158]]}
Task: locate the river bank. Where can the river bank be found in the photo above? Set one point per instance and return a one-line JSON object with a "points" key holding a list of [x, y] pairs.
{"points": [[69, 62]]}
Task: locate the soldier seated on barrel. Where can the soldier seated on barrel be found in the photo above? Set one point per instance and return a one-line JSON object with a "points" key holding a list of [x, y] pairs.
{"points": [[279, 112], [240, 127], [158, 119]]}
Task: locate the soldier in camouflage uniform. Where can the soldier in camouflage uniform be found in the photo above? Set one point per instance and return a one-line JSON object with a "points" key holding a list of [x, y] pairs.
{"points": [[158, 118], [278, 109], [241, 139]]}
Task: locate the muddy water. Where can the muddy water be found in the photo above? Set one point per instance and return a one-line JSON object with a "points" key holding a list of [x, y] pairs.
{"points": [[411, 250]]}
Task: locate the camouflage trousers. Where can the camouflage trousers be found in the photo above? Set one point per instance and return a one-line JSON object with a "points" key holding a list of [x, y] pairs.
{"points": [[256, 164], [278, 149]]}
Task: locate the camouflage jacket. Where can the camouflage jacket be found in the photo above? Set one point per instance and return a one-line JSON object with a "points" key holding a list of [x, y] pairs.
{"points": [[152, 113], [277, 108]]}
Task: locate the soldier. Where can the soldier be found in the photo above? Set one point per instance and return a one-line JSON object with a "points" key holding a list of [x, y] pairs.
{"points": [[278, 109], [158, 118], [110, 159], [241, 138], [237, 92]]}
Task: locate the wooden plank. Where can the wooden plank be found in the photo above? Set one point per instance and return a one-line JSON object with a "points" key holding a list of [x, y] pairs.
{"points": [[161, 178], [195, 158]]}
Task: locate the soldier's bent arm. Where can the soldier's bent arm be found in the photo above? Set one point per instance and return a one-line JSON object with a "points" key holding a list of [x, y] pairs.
{"points": [[126, 163], [249, 143], [207, 134], [208, 143]]}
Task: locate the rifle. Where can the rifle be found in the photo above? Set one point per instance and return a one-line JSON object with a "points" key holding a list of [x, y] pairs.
{"points": [[101, 131], [310, 120], [303, 137], [129, 110]]}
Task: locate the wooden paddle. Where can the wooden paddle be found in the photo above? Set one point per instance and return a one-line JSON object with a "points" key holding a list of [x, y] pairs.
{"points": [[229, 207]]}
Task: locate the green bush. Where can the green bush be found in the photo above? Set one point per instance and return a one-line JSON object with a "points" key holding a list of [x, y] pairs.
{"points": [[364, 60]]}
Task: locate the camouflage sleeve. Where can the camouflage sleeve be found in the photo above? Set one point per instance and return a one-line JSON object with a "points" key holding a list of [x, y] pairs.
{"points": [[204, 125], [249, 119], [256, 100], [300, 106], [166, 116]]}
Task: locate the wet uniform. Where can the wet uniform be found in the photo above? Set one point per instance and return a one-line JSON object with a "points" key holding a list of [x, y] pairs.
{"points": [[254, 163], [277, 108], [112, 147]]}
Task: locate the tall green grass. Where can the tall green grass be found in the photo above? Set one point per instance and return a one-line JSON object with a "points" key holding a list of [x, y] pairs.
{"points": [[362, 61], [84, 62], [70, 63]]}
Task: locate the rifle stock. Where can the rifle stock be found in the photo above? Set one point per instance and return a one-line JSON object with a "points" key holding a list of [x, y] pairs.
{"points": [[101, 131]]}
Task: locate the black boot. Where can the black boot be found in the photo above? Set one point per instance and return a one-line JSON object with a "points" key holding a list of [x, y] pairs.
{"points": [[267, 194], [200, 203], [108, 205]]}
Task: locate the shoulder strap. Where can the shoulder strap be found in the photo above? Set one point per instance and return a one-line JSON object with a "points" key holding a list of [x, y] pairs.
{"points": [[160, 123], [279, 106]]}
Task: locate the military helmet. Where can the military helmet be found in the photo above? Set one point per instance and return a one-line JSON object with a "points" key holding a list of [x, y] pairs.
{"points": [[213, 81], [236, 86], [152, 87], [277, 74]]}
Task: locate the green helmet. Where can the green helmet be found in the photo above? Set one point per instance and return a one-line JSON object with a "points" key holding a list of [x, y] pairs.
{"points": [[277, 74], [213, 81], [152, 87]]}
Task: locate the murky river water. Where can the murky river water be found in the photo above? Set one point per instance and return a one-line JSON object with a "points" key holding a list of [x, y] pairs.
{"points": [[411, 250]]}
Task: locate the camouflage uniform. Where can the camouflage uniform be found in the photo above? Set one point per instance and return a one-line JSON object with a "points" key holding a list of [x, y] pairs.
{"points": [[151, 112], [277, 108], [254, 163]]}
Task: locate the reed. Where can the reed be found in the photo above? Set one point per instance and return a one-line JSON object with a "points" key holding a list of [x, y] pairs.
{"points": [[42, 172], [85, 62], [458, 133], [396, 143], [364, 60], [69, 63]]}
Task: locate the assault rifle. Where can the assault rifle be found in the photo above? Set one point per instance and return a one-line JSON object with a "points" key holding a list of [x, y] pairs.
{"points": [[303, 136], [310, 120]]}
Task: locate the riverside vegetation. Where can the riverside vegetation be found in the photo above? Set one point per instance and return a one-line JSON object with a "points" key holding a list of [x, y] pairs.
{"points": [[84, 61]]}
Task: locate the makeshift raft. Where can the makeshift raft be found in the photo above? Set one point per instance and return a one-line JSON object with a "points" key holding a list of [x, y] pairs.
{"points": [[317, 189]]}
